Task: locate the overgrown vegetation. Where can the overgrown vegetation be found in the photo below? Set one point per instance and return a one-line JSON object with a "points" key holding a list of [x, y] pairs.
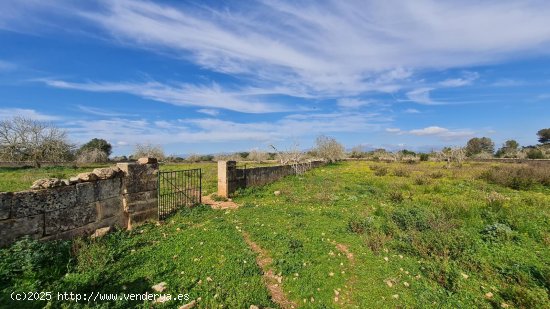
{"points": [[339, 236]]}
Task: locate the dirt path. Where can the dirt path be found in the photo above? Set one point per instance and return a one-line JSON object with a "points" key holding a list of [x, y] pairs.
{"points": [[346, 297], [272, 281], [207, 200]]}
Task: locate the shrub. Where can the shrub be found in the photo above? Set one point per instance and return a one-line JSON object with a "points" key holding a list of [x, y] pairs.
{"points": [[421, 180], [396, 196], [517, 177], [495, 201], [436, 174], [412, 219], [497, 232], [379, 170], [535, 154], [376, 241], [526, 298], [424, 156], [360, 225], [401, 172]]}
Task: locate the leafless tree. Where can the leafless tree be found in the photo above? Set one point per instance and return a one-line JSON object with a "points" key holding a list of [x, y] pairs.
{"points": [[450, 155], [23, 139], [293, 157], [149, 150], [257, 155], [329, 148]]}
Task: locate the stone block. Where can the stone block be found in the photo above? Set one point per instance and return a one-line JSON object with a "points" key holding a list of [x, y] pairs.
{"points": [[108, 188], [140, 196], [109, 207], [139, 206], [86, 192], [141, 217], [28, 203], [5, 204], [58, 198], [70, 218], [12, 229], [147, 161], [88, 176]]}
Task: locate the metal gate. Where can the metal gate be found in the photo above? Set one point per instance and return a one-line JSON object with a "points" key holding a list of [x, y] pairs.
{"points": [[178, 189]]}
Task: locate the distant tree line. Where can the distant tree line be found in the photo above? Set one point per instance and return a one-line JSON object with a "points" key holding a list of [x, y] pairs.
{"points": [[27, 140]]}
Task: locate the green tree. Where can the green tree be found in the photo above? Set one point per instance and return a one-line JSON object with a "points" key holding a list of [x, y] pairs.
{"points": [[96, 143], [509, 149], [479, 145], [544, 136]]}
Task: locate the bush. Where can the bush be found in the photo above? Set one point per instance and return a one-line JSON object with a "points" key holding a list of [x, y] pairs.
{"points": [[396, 196], [535, 154], [497, 232], [495, 201], [401, 172], [424, 156], [412, 219], [421, 180], [379, 170], [517, 177], [436, 174], [360, 225]]}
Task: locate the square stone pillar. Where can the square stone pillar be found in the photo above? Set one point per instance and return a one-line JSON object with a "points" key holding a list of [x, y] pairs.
{"points": [[227, 178]]}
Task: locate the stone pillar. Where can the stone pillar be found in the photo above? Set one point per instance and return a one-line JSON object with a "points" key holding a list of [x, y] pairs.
{"points": [[227, 180], [139, 191]]}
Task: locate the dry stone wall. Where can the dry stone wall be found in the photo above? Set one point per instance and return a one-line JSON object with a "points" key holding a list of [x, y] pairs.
{"points": [[230, 178], [120, 196]]}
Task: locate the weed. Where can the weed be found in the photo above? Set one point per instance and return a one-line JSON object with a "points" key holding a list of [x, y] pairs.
{"points": [[401, 172], [396, 196], [497, 232], [360, 225]]}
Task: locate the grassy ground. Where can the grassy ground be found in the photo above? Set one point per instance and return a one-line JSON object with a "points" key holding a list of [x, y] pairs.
{"points": [[17, 178], [350, 235]]}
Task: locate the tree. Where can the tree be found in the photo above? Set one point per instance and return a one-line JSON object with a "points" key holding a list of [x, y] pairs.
{"points": [[329, 148], [149, 150], [92, 155], [544, 136], [23, 139], [478, 145], [509, 149], [97, 143], [257, 156]]}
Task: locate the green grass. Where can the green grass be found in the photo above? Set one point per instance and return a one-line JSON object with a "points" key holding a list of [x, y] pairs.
{"points": [[443, 238], [21, 178]]}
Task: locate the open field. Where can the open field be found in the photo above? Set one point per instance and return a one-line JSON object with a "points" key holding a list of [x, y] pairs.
{"points": [[348, 235], [21, 178]]}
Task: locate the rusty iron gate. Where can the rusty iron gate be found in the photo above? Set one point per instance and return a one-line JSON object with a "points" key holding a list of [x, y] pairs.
{"points": [[178, 189]]}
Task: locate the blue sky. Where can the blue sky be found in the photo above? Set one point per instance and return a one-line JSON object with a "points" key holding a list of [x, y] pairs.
{"points": [[221, 76]]}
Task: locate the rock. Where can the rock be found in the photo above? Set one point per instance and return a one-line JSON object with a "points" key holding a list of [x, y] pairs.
{"points": [[159, 287], [277, 193], [488, 295], [147, 161], [406, 284], [104, 173], [162, 299], [189, 305], [46, 183], [464, 276], [83, 177], [74, 180], [389, 282], [66, 182], [396, 296], [101, 232], [254, 307]]}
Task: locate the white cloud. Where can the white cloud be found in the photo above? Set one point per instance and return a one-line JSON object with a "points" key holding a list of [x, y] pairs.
{"points": [[209, 111], [353, 103], [411, 111], [100, 112], [467, 79], [422, 96], [435, 131], [7, 113], [182, 94], [210, 130], [339, 47]]}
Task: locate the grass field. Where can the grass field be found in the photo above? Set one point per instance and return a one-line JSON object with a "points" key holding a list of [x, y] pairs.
{"points": [[17, 178], [348, 235]]}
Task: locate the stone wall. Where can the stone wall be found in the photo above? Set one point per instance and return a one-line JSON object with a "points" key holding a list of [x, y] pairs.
{"points": [[120, 196], [230, 178]]}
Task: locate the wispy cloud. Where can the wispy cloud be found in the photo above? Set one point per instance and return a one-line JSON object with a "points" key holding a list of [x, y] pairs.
{"points": [[444, 133], [411, 111], [422, 96], [100, 112], [209, 111], [353, 103], [7, 113], [212, 96], [467, 79]]}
